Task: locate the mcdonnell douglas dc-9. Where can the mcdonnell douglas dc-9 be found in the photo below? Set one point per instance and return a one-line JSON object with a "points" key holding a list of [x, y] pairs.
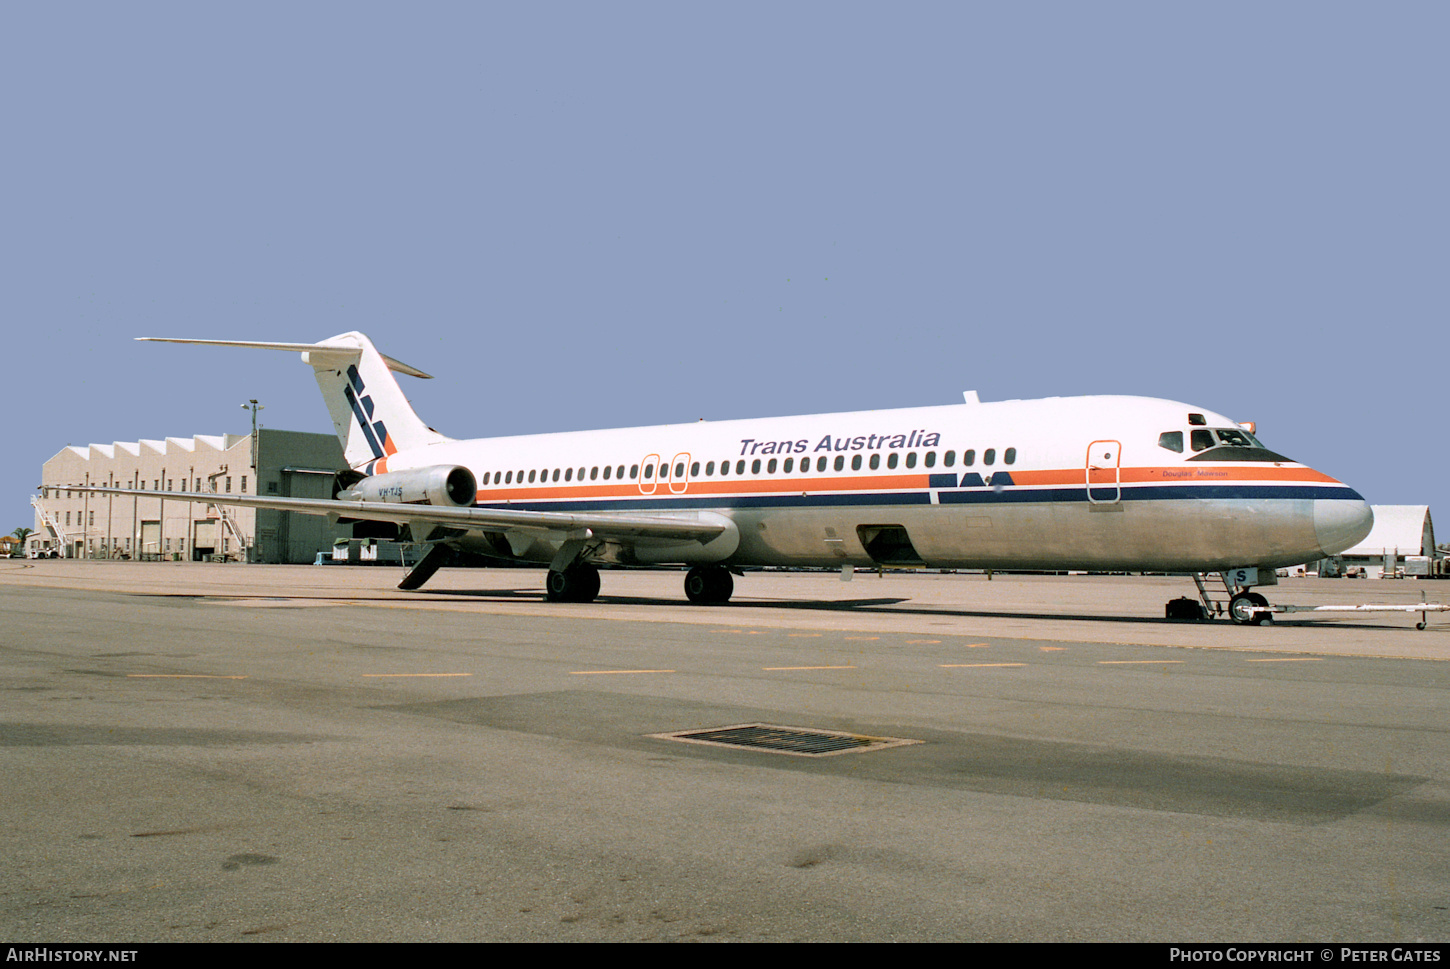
{"points": [[1081, 483]]}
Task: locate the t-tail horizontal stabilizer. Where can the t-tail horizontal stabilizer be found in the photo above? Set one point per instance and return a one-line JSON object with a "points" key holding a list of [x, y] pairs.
{"points": [[316, 350], [372, 418]]}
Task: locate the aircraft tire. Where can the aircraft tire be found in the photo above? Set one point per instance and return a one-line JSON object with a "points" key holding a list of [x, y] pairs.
{"points": [[724, 585], [1240, 609], [697, 586], [578, 583], [707, 585], [588, 579]]}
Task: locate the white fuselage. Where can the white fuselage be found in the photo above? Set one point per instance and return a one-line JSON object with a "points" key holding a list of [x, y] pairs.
{"points": [[1058, 483]]}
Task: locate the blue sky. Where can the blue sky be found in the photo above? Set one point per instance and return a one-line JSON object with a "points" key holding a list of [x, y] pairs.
{"points": [[595, 215]]}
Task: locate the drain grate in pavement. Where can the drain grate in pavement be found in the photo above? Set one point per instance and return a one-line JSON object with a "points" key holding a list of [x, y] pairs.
{"points": [[800, 741]]}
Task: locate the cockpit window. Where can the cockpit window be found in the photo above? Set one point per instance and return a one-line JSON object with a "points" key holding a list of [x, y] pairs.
{"points": [[1233, 438], [1223, 437], [1230, 444], [1172, 440], [1197, 420]]}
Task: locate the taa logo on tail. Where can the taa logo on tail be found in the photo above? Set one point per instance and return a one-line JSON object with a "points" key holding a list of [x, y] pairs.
{"points": [[362, 409]]}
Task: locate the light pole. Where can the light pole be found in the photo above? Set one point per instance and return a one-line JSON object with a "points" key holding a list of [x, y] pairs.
{"points": [[253, 406], [247, 550]]}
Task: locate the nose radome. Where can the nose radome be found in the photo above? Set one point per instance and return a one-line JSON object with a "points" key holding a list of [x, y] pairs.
{"points": [[1341, 523]]}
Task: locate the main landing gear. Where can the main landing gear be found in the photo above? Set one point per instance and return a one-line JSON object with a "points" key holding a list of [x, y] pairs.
{"points": [[707, 585], [704, 584], [578, 583]]}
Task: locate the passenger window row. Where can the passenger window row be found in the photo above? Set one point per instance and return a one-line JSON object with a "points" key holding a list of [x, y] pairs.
{"points": [[857, 462], [758, 466], [569, 474]]}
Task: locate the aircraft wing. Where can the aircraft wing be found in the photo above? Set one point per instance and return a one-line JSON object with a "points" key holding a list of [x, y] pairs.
{"points": [[471, 519]]}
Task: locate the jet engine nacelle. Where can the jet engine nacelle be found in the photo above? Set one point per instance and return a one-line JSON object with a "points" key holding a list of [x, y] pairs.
{"points": [[442, 484]]}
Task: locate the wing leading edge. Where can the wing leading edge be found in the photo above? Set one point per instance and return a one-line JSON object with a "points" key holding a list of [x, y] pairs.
{"points": [[471, 519]]}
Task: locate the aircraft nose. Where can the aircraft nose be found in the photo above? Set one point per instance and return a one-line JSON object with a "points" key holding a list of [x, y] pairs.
{"points": [[1341, 523]]}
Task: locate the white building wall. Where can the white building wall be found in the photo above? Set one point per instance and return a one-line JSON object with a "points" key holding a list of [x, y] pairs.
{"points": [[80, 524]]}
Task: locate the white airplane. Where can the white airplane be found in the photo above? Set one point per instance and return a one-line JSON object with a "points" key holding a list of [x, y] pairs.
{"points": [[1091, 483]]}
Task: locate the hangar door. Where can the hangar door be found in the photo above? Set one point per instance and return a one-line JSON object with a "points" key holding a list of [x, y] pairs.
{"points": [[150, 539], [204, 541]]}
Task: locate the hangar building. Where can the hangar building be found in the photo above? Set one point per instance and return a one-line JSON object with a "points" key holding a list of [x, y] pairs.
{"points": [[77, 524], [1401, 543]]}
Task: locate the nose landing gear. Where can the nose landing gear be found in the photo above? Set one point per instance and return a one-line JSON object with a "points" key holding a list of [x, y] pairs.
{"points": [[1243, 607], [1249, 609]]}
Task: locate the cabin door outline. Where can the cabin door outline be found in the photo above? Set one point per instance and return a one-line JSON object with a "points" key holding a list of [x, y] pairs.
{"points": [[1104, 472]]}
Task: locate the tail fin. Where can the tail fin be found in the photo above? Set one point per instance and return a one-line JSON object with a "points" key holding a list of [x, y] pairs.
{"points": [[372, 417]]}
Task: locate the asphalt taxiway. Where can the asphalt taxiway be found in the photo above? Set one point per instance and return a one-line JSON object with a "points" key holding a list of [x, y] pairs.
{"points": [[197, 752]]}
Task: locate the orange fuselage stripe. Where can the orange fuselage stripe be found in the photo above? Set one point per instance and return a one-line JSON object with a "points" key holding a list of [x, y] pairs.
{"points": [[895, 482]]}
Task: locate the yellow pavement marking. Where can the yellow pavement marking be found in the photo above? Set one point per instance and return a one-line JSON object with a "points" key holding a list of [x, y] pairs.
{"points": [[976, 646], [1288, 659], [917, 642], [776, 669], [861, 638], [376, 675], [1134, 662], [959, 666], [183, 676], [801, 635], [1052, 649], [740, 632], [607, 672]]}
